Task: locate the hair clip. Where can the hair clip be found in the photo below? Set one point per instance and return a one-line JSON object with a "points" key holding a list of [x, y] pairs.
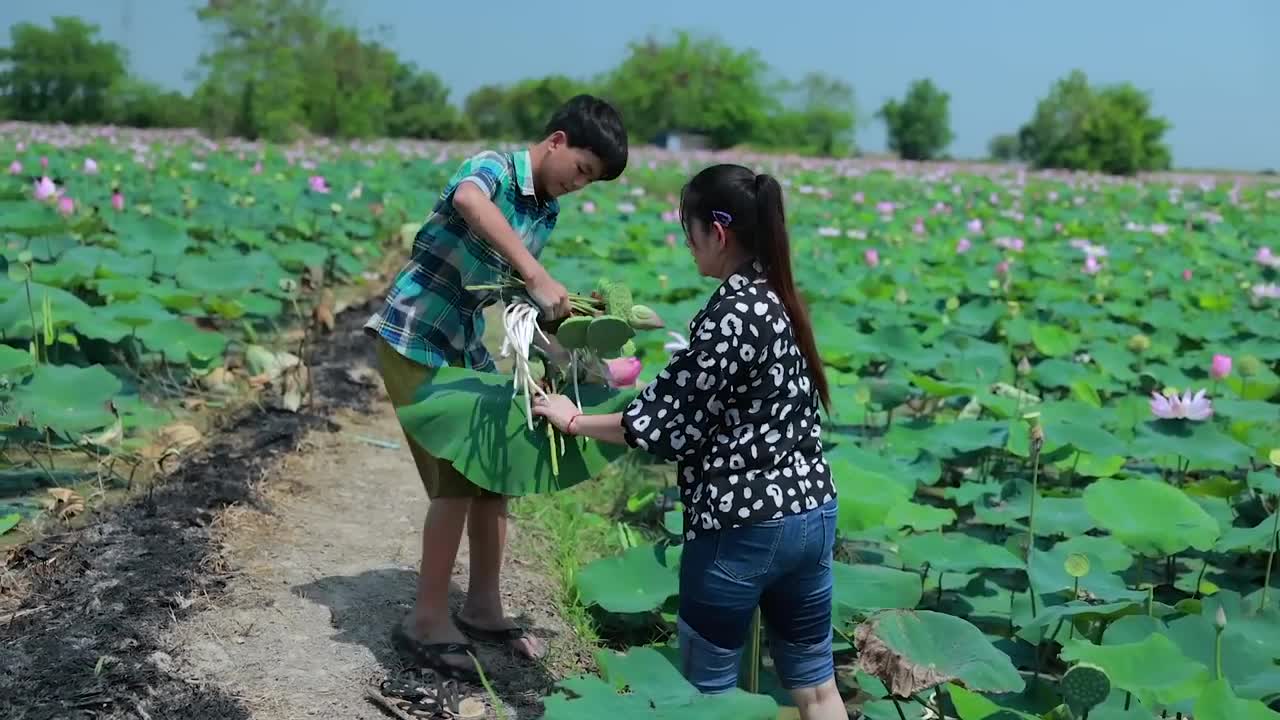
{"points": [[723, 218]]}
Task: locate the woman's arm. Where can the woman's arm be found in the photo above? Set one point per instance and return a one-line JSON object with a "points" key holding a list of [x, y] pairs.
{"points": [[605, 428]]}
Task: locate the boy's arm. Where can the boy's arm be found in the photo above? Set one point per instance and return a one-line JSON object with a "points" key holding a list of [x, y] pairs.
{"points": [[488, 222]]}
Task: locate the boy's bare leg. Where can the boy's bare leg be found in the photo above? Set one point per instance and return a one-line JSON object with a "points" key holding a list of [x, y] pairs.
{"points": [[441, 535], [487, 534], [820, 703]]}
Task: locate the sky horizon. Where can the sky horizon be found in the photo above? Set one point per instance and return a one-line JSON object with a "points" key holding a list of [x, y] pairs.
{"points": [[1206, 71]]}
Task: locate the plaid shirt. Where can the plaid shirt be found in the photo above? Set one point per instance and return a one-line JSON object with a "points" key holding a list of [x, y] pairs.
{"points": [[429, 316]]}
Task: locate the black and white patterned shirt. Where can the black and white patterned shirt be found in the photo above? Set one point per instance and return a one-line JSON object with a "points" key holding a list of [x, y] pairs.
{"points": [[738, 412]]}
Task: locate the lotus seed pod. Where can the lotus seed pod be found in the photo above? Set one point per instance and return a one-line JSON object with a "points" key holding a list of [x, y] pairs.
{"points": [[1274, 457], [1036, 437], [1139, 343], [1085, 686], [1077, 565], [1250, 365]]}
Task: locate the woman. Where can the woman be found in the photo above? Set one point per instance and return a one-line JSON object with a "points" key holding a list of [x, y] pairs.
{"points": [[738, 412]]}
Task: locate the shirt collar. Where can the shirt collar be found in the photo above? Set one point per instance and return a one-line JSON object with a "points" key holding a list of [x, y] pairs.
{"points": [[524, 178]]}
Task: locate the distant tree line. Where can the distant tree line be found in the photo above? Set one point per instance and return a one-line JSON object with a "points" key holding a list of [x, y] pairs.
{"points": [[280, 69]]}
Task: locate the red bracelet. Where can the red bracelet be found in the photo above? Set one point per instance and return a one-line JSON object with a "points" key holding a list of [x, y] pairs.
{"points": [[569, 427]]}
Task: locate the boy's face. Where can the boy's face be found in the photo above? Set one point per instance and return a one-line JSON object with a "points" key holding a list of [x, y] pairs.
{"points": [[567, 169]]}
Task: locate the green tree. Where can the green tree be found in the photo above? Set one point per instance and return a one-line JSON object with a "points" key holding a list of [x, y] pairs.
{"points": [[63, 73], [531, 103], [420, 107], [136, 103], [486, 111], [692, 84], [818, 115], [1003, 147], [1110, 129], [919, 126]]}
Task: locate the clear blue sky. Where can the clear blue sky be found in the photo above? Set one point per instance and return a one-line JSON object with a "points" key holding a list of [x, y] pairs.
{"points": [[1211, 65]]}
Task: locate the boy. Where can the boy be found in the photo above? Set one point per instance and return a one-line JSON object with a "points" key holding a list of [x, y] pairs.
{"points": [[492, 220]]}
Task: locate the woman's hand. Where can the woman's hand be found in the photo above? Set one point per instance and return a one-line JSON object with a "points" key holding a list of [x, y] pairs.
{"points": [[557, 409]]}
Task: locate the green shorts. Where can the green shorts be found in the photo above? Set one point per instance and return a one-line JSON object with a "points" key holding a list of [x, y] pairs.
{"points": [[402, 377]]}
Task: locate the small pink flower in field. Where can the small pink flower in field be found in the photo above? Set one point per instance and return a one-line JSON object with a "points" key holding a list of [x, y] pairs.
{"points": [[44, 162], [671, 239], [994, 199], [1014, 244], [15, 168], [1057, 227], [975, 225], [317, 184], [918, 226], [45, 189], [66, 205], [637, 192], [1220, 367], [1171, 406], [1053, 196], [828, 232], [1186, 274], [1160, 229], [670, 216], [677, 343], [1091, 265], [885, 207], [21, 146], [622, 372], [859, 197], [1271, 194], [626, 208], [963, 245], [257, 168], [90, 166], [1271, 291], [588, 207], [117, 201], [1002, 268], [1266, 257], [872, 257]]}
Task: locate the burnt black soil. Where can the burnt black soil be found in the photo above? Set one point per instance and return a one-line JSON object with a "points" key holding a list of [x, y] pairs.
{"points": [[87, 639]]}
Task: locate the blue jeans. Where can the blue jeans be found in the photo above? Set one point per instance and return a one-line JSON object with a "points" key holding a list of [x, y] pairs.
{"points": [[784, 567]]}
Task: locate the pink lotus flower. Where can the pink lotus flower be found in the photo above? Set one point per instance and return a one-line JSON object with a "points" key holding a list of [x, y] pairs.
{"points": [[1014, 244], [671, 239], [1186, 274], [859, 197], [918, 226], [872, 257], [1091, 265], [44, 162], [1160, 229], [975, 225], [622, 372], [626, 208], [1002, 268], [318, 184], [1270, 291], [257, 168], [117, 201], [15, 168], [588, 207], [1266, 257], [828, 232], [90, 166], [670, 216], [884, 207], [45, 189], [66, 205], [1220, 367], [963, 245], [1171, 406]]}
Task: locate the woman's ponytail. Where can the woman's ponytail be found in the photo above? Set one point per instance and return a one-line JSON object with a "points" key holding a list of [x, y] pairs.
{"points": [[774, 248]]}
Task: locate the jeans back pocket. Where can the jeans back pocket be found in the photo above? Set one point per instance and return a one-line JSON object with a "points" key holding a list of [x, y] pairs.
{"points": [[745, 553]]}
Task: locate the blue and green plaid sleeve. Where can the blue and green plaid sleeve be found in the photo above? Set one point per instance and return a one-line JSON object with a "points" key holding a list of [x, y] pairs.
{"points": [[487, 170]]}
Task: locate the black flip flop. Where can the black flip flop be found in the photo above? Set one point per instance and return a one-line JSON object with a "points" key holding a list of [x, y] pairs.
{"points": [[431, 655], [505, 636]]}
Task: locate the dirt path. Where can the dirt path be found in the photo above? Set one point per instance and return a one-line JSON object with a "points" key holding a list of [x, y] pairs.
{"points": [[305, 623], [260, 583]]}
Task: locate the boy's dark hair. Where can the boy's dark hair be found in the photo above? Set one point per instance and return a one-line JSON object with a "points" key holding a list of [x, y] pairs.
{"points": [[593, 124]]}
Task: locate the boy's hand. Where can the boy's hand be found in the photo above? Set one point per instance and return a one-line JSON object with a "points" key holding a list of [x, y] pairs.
{"points": [[552, 297]]}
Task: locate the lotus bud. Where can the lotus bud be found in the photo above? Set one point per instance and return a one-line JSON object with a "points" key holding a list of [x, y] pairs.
{"points": [[1024, 366], [643, 317], [1220, 619], [1139, 343]]}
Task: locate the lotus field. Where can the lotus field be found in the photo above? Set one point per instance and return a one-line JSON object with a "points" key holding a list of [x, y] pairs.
{"points": [[1056, 428]]}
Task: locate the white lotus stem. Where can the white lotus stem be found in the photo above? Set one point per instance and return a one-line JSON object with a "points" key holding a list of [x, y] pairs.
{"points": [[520, 326]]}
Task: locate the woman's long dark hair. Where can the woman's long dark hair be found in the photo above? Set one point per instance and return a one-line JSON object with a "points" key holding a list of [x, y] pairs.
{"points": [[759, 222]]}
